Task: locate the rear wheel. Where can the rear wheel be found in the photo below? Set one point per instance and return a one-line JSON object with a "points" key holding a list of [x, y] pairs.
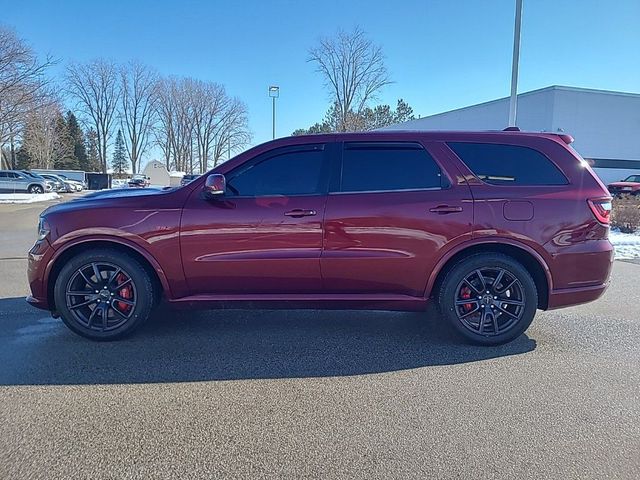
{"points": [[35, 189], [103, 294], [488, 298]]}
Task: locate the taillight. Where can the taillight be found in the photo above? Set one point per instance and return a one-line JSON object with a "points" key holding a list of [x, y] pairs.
{"points": [[601, 208]]}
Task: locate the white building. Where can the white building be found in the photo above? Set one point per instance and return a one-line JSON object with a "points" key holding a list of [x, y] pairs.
{"points": [[605, 124], [157, 172]]}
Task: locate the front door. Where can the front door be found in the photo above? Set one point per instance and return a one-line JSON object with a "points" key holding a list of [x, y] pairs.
{"points": [[265, 234], [391, 213]]}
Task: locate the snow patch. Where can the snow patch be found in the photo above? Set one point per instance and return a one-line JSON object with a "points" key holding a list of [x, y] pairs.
{"points": [[27, 197], [627, 245]]}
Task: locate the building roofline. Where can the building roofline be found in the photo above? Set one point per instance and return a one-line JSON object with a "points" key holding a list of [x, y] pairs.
{"points": [[534, 92]]}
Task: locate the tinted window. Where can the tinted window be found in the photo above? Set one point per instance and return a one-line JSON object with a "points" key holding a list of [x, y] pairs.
{"points": [[508, 164], [3, 174], [390, 166], [297, 172]]}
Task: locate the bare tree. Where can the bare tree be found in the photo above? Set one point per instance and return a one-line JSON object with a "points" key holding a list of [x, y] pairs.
{"points": [[96, 86], [45, 138], [353, 70], [137, 108], [232, 133], [23, 86], [198, 123], [175, 114]]}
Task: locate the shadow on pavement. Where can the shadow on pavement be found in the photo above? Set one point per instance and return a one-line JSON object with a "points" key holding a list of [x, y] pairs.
{"points": [[230, 345]]}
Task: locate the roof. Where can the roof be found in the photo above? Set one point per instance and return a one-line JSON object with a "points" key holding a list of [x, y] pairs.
{"points": [[538, 91]]}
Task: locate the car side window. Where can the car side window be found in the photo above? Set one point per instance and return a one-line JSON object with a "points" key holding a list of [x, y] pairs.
{"points": [[499, 164], [287, 171], [388, 166]]}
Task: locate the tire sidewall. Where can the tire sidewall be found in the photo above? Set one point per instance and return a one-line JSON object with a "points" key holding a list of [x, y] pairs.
{"points": [[139, 277], [463, 268]]}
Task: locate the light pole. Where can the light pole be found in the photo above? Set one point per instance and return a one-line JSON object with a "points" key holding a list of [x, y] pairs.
{"points": [[274, 92], [513, 100]]}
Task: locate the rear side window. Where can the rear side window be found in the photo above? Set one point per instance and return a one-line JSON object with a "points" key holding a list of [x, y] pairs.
{"points": [[508, 164], [383, 166]]}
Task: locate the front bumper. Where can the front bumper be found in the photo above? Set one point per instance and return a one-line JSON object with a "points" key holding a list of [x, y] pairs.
{"points": [[38, 259]]}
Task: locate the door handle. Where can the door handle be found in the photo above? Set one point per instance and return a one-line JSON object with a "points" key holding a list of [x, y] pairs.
{"points": [[299, 212], [445, 209]]}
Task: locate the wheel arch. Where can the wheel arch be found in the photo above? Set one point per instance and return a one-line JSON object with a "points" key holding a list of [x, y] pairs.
{"points": [[149, 263], [524, 254]]}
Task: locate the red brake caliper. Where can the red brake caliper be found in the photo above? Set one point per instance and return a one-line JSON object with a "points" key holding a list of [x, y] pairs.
{"points": [[465, 293], [124, 292]]}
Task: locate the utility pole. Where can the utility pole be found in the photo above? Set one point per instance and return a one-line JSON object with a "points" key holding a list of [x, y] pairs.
{"points": [[513, 100], [274, 92]]}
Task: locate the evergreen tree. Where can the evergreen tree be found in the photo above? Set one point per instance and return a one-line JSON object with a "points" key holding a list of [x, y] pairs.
{"points": [[119, 162], [63, 158], [77, 139], [93, 159]]}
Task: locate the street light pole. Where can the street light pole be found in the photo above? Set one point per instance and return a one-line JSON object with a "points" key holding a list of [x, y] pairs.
{"points": [[274, 92], [513, 100]]}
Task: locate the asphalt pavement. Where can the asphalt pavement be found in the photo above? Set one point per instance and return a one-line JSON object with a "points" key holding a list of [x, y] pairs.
{"points": [[315, 394]]}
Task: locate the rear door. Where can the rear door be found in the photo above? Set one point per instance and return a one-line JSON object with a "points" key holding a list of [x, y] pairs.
{"points": [[6, 183], [391, 211]]}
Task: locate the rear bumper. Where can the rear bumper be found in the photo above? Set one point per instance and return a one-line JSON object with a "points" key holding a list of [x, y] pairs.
{"points": [[580, 273], [567, 297]]}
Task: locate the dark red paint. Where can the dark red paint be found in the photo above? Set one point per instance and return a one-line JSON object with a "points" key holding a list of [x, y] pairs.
{"points": [[355, 250]]}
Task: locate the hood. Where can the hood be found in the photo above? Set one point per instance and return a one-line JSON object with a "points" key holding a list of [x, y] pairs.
{"points": [[625, 184], [123, 192], [119, 197]]}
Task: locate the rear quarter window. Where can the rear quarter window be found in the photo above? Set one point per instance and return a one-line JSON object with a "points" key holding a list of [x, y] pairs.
{"points": [[499, 164]]}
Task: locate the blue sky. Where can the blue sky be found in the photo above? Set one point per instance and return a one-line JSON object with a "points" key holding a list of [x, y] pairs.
{"points": [[441, 54]]}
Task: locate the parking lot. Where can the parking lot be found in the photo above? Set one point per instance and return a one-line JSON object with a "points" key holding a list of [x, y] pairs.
{"points": [[311, 394]]}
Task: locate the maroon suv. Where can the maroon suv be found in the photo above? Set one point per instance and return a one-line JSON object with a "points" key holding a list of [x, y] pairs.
{"points": [[491, 226]]}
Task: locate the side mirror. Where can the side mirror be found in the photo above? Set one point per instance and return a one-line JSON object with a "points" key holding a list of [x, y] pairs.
{"points": [[214, 186]]}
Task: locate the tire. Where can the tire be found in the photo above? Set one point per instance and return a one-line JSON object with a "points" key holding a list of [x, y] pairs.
{"points": [[125, 292], [510, 309], [35, 189]]}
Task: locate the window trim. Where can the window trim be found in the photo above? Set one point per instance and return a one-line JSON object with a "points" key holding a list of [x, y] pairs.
{"points": [[511, 185], [336, 185], [325, 148]]}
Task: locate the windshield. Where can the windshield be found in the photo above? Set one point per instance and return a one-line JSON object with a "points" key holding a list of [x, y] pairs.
{"points": [[633, 178]]}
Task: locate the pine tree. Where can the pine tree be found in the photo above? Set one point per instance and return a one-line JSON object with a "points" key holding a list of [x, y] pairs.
{"points": [[93, 160], [63, 158], [119, 162], [77, 139]]}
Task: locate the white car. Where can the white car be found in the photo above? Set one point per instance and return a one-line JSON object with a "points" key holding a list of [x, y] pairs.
{"points": [[75, 184]]}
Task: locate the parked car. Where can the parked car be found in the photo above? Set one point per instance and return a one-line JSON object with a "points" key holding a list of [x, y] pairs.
{"points": [[187, 179], [139, 180], [18, 182], [628, 186], [59, 184], [75, 184], [29, 173], [490, 226]]}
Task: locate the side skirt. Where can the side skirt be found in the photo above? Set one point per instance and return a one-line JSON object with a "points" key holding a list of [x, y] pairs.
{"points": [[304, 301]]}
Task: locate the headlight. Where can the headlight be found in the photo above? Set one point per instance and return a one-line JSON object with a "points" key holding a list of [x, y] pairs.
{"points": [[43, 228]]}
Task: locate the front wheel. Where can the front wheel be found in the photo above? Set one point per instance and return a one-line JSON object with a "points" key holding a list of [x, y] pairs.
{"points": [[488, 298], [103, 294], [36, 189]]}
